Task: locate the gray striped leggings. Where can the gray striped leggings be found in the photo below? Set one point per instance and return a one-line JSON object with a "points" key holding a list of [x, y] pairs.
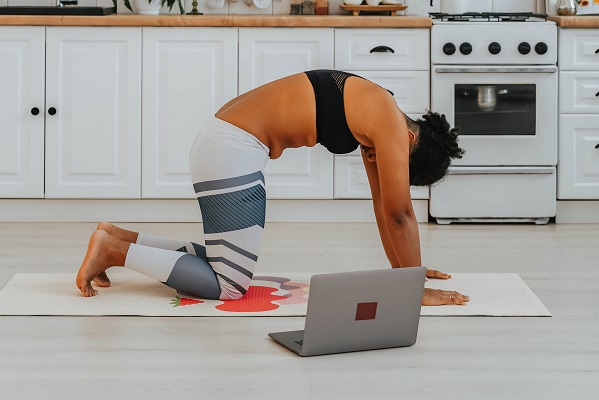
{"points": [[227, 168]]}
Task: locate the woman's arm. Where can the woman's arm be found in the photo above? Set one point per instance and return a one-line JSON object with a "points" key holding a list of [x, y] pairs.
{"points": [[381, 219]]}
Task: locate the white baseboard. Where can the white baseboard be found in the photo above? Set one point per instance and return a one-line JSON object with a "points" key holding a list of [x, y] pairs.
{"points": [[577, 212], [48, 210]]}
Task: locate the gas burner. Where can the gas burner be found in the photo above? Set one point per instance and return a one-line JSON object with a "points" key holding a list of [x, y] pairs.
{"points": [[489, 17]]}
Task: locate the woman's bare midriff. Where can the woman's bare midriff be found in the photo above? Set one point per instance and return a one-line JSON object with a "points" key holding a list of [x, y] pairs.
{"points": [[281, 114]]}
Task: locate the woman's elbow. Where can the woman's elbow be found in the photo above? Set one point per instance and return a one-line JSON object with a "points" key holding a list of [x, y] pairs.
{"points": [[401, 218]]}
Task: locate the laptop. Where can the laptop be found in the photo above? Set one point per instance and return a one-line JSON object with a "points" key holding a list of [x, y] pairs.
{"points": [[362, 310]]}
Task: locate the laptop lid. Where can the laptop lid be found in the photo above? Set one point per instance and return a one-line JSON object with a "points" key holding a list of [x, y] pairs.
{"points": [[363, 310]]}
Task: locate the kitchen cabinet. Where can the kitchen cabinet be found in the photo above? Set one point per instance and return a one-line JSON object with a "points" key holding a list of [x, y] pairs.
{"points": [[267, 54], [579, 157], [94, 88], [393, 59], [22, 110], [188, 74], [578, 165], [93, 121]]}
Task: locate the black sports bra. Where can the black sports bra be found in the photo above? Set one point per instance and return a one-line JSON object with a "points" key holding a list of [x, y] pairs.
{"points": [[332, 130]]}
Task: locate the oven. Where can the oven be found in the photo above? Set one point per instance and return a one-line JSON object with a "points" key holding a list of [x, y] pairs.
{"points": [[506, 115], [496, 79]]}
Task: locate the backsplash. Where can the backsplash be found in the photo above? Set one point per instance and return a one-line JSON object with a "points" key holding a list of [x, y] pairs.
{"points": [[282, 7]]}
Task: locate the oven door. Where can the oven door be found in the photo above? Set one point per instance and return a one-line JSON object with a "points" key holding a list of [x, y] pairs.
{"points": [[506, 115]]}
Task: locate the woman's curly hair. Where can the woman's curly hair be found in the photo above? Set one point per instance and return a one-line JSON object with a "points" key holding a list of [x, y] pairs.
{"points": [[435, 147]]}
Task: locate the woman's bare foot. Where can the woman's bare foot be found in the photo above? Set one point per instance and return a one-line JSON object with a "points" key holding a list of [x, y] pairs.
{"points": [[119, 233], [435, 297], [102, 280], [103, 252]]}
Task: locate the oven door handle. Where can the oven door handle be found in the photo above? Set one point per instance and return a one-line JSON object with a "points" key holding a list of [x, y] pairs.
{"points": [[500, 170], [505, 69]]}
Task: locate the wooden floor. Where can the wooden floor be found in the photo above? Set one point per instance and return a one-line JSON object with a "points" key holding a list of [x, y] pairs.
{"points": [[232, 358]]}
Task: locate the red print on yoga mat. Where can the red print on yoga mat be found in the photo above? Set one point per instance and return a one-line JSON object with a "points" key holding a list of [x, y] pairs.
{"points": [[184, 301], [257, 298]]}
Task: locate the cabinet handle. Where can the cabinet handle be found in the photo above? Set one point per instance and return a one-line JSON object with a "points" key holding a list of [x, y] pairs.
{"points": [[597, 94], [52, 111], [597, 146], [384, 49], [597, 51], [35, 111]]}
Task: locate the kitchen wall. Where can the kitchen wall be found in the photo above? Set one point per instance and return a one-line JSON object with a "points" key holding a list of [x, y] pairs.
{"points": [[415, 7]]}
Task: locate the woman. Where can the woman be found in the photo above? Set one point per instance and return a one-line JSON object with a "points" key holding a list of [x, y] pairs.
{"points": [[339, 110]]}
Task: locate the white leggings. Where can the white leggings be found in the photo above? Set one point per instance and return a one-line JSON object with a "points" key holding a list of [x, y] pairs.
{"points": [[227, 171]]}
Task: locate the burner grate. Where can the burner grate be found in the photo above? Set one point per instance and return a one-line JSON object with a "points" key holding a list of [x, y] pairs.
{"points": [[489, 17]]}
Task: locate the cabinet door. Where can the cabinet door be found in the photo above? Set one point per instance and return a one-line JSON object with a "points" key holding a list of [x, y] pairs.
{"points": [[578, 49], [578, 167], [579, 92], [411, 89], [93, 112], [21, 92], [351, 181], [382, 49], [188, 74], [267, 54]]}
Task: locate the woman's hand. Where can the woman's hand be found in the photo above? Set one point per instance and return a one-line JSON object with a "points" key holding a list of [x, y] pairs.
{"points": [[436, 297], [433, 273]]}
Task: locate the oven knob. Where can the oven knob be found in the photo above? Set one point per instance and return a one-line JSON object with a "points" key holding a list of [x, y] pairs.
{"points": [[449, 48], [541, 48], [465, 48], [494, 48], [524, 48]]}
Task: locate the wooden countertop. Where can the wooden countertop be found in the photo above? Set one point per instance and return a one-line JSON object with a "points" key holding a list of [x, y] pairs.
{"points": [[335, 21], [577, 21]]}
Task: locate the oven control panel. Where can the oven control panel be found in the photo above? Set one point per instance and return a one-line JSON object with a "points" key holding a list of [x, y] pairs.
{"points": [[507, 43]]}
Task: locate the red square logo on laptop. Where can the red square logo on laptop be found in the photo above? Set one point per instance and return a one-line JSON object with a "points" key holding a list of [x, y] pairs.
{"points": [[366, 311]]}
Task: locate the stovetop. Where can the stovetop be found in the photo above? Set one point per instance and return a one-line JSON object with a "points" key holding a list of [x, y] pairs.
{"points": [[489, 17], [493, 38]]}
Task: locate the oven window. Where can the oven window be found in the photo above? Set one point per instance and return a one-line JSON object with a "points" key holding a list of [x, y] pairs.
{"points": [[495, 109]]}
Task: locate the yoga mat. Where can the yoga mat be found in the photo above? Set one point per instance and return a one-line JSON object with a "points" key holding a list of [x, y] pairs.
{"points": [[284, 294]]}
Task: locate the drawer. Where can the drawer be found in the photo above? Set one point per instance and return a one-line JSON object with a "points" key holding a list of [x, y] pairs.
{"points": [[578, 168], [578, 49], [495, 192], [411, 89], [579, 92], [351, 181], [382, 49]]}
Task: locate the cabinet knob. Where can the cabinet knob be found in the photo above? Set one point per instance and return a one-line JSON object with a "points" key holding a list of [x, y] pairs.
{"points": [[382, 49], [52, 111], [35, 111]]}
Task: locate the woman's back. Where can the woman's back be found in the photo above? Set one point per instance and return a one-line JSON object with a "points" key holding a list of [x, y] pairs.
{"points": [[281, 114]]}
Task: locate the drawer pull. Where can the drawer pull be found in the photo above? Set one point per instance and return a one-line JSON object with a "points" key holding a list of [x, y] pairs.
{"points": [[597, 146], [597, 94], [386, 49], [597, 51]]}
